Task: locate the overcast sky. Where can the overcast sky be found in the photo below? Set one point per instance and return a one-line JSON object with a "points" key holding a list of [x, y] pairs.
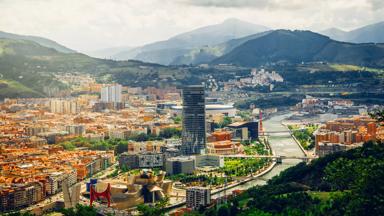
{"points": [[93, 24]]}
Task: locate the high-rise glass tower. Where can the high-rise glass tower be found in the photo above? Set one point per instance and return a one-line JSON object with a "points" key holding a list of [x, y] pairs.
{"points": [[193, 135]]}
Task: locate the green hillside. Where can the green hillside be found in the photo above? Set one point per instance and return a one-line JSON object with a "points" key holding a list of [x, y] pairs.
{"points": [[40, 40], [294, 47], [33, 67], [345, 183]]}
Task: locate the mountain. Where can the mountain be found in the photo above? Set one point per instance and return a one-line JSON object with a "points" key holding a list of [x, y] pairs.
{"points": [[108, 53], [208, 53], [335, 33], [40, 40], [164, 52], [284, 46], [367, 34], [28, 69]]}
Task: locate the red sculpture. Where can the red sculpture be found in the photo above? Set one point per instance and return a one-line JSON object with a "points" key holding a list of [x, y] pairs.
{"points": [[106, 194]]}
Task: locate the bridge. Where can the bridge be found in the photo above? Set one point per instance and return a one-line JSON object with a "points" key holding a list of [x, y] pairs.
{"points": [[278, 158]]}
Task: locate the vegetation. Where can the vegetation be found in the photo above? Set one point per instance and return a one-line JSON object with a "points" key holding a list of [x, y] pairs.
{"points": [[243, 166], [224, 122], [118, 145], [344, 183], [18, 213], [299, 47], [347, 67], [201, 180], [304, 136], [255, 148], [378, 114], [177, 119], [157, 210], [270, 101], [79, 210]]}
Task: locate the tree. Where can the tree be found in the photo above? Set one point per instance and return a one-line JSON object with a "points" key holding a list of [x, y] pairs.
{"points": [[121, 147], [223, 211], [378, 115], [162, 203], [177, 120], [18, 213], [225, 122], [79, 210], [340, 174]]}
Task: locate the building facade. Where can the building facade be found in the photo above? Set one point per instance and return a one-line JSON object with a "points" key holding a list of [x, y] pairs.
{"points": [[193, 134], [181, 164], [111, 93], [198, 197]]}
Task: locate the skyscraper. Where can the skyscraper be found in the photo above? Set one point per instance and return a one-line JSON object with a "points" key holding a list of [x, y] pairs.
{"points": [[193, 135], [111, 93]]}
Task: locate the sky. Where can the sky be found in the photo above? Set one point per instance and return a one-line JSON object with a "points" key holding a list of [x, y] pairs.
{"points": [[86, 25]]}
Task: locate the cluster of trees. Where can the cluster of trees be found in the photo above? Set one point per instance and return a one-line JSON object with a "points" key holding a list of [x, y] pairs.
{"points": [[242, 166], [271, 101], [304, 136], [203, 180], [255, 148], [223, 123], [119, 145], [344, 183], [79, 210], [156, 210]]}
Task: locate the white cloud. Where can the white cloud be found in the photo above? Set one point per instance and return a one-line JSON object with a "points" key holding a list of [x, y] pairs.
{"points": [[93, 24]]}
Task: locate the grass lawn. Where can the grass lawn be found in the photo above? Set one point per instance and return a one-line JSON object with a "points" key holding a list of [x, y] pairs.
{"points": [[324, 196], [346, 67]]}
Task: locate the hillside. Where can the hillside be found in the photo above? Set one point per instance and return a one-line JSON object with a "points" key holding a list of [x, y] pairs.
{"points": [[28, 69], [208, 53], [367, 34], [284, 46], [40, 40], [164, 52], [344, 183]]}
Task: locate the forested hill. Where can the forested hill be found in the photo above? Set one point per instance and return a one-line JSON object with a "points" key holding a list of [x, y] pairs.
{"points": [[27, 69], [284, 46], [345, 183]]}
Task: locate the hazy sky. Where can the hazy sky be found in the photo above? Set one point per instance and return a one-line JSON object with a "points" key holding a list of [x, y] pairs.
{"points": [[93, 24]]}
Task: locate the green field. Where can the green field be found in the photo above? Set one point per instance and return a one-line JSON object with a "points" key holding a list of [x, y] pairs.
{"points": [[12, 89], [346, 67]]}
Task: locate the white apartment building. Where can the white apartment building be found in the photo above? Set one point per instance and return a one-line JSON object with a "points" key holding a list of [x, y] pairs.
{"points": [[111, 93]]}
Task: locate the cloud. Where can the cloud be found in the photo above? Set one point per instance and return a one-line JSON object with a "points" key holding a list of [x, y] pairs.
{"points": [[376, 4], [95, 24], [259, 4]]}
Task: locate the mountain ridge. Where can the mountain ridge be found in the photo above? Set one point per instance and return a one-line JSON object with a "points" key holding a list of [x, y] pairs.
{"points": [[40, 40], [182, 43], [297, 46], [373, 33]]}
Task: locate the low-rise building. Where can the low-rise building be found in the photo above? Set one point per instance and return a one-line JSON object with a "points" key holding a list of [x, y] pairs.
{"points": [[141, 160], [181, 164]]}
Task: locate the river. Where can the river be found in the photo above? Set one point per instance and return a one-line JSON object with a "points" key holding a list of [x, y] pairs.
{"points": [[282, 144]]}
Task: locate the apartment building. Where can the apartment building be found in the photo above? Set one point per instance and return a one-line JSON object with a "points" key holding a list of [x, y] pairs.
{"points": [[198, 197]]}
